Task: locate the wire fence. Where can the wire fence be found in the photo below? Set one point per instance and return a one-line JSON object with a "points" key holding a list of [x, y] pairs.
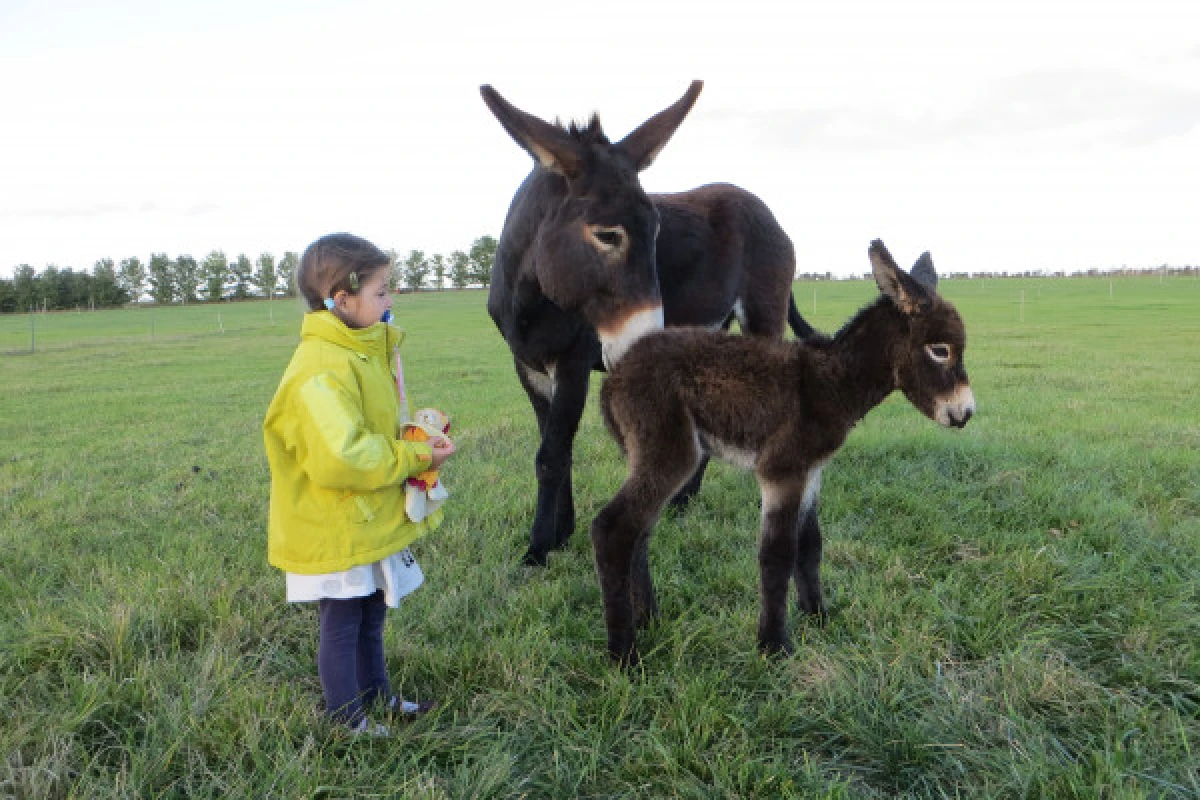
{"points": [[40, 332], [1027, 300]]}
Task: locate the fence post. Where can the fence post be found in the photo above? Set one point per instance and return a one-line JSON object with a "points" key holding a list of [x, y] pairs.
{"points": [[32, 331]]}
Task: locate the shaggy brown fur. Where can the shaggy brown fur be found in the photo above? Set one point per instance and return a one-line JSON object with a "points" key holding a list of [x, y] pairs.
{"points": [[779, 408]]}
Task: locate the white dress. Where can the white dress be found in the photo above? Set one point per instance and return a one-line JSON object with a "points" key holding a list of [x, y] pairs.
{"points": [[397, 574]]}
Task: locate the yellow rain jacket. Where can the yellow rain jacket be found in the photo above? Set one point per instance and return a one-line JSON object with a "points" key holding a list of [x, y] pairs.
{"points": [[338, 465]]}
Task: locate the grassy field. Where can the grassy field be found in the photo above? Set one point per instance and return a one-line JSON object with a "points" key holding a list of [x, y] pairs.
{"points": [[1016, 610]]}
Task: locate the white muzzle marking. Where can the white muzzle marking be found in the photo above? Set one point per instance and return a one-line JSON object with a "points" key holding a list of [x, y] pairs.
{"points": [[955, 410], [616, 341]]}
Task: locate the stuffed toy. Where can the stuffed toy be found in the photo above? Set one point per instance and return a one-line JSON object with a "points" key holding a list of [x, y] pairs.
{"points": [[424, 493]]}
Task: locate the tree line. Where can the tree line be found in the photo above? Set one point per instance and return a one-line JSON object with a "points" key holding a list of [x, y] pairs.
{"points": [[217, 277]]}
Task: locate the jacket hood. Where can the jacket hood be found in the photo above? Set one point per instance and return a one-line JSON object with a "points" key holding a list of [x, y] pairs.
{"points": [[325, 325]]}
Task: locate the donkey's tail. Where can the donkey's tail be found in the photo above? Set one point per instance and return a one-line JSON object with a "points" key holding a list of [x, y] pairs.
{"points": [[798, 324]]}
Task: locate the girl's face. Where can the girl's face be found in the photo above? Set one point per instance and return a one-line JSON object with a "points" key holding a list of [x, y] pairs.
{"points": [[365, 308]]}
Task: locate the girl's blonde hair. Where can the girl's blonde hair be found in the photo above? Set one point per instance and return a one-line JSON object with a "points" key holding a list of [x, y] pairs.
{"points": [[334, 263]]}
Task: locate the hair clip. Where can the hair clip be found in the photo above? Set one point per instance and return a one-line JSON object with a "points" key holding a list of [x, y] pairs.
{"points": [[329, 303], [354, 281]]}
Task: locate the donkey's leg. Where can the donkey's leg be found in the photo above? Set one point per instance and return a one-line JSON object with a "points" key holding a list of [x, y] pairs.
{"points": [[685, 495], [781, 503], [765, 301], [808, 564], [645, 604], [559, 404], [541, 388], [615, 537], [766, 315], [769, 263], [660, 460], [665, 456]]}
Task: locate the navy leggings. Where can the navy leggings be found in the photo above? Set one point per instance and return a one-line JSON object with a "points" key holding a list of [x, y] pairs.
{"points": [[350, 655]]}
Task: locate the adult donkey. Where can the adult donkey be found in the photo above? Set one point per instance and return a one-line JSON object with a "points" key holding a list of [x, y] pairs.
{"points": [[588, 261]]}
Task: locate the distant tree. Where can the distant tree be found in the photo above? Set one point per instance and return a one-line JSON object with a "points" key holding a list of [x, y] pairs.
{"points": [[25, 288], [460, 269], [483, 254], [132, 278], [264, 275], [240, 271], [416, 267], [83, 288], [162, 286], [285, 273], [438, 265], [55, 287], [395, 268], [102, 269], [187, 278], [215, 273], [8, 297], [106, 292]]}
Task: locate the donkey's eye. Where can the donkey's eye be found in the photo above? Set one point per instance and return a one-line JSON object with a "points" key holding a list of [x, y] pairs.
{"points": [[940, 353], [607, 238]]}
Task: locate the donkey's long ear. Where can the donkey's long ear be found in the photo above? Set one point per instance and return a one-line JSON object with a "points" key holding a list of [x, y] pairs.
{"points": [[645, 143], [924, 273], [908, 295], [549, 145]]}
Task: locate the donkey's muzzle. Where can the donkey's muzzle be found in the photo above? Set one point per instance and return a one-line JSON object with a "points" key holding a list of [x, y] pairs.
{"points": [[961, 422], [957, 409]]}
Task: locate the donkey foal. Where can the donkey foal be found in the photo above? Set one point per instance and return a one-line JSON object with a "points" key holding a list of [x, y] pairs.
{"points": [[781, 409]]}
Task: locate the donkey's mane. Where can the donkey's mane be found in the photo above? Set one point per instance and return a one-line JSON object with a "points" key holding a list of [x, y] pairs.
{"points": [[860, 317], [819, 340], [588, 133]]}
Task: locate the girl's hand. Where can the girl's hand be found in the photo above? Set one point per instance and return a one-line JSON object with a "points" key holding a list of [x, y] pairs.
{"points": [[443, 448]]}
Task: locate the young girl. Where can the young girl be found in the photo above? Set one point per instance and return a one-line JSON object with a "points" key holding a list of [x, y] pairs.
{"points": [[338, 468]]}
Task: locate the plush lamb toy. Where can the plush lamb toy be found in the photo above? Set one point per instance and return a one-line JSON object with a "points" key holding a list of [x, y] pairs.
{"points": [[423, 493]]}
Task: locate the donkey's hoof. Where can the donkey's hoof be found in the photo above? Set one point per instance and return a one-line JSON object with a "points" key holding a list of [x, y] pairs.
{"points": [[627, 661], [775, 648], [813, 605], [533, 558], [818, 614]]}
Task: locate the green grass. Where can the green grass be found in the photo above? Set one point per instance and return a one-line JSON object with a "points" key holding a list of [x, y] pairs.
{"points": [[1016, 611]]}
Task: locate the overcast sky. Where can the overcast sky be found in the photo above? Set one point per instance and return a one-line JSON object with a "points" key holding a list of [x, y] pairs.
{"points": [[1000, 136]]}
